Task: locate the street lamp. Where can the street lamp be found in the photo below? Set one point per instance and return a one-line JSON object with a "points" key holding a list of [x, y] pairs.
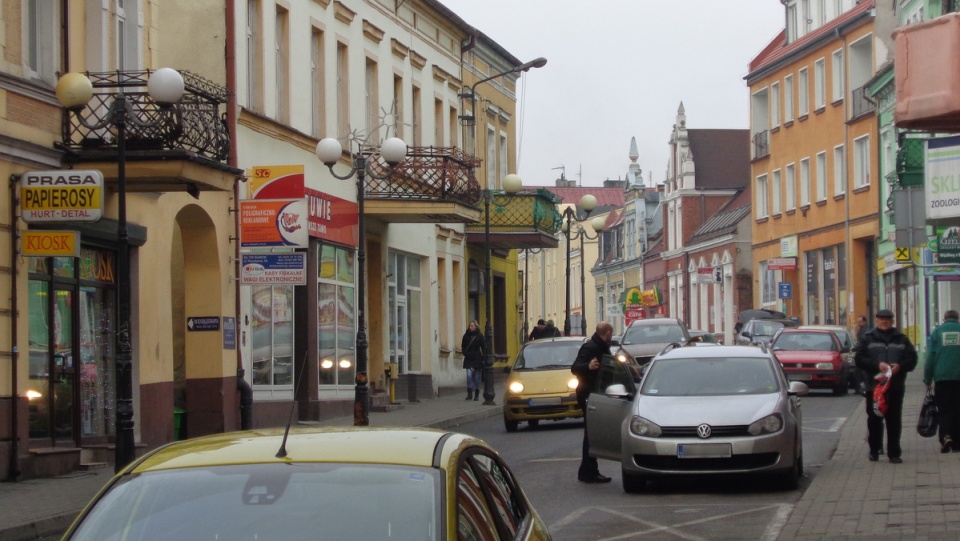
{"points": [[526, 287], [587, 203], [597, 225], [511, 185], [526, 66], [393, 150], [74, 91]]}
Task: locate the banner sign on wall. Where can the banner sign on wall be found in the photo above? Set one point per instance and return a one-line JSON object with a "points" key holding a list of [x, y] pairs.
{"points": [[275, 182], [273, 223], [288, 269], [942, 178], [331, 218], [61, 196]]}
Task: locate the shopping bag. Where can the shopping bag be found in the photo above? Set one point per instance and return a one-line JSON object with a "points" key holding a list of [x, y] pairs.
{"points": [[927, 424], [880, 394]]}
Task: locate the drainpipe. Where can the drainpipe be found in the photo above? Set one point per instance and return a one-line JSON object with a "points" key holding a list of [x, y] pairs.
{"points": [[243, 386], [13, 473]]}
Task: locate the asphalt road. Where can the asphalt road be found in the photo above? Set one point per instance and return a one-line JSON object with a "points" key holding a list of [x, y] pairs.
{"points": [[545, 462]]}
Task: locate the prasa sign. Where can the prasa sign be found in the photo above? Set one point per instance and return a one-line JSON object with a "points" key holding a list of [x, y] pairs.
{"points": [[61, 196]]}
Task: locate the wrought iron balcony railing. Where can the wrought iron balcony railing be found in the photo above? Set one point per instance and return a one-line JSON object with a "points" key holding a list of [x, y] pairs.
{"points": [[761, 144], [522, 213], [426, 174], [861, 103], [197, 126]]}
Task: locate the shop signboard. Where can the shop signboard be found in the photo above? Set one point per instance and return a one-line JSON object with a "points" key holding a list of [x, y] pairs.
{"points": [[948, 244], [275, 269], [782, 263], [942, 178], [61, 196], [273, 223], [50, 243]]}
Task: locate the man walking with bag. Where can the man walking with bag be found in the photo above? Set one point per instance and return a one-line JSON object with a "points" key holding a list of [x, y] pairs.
{"points": [[943, 371], [885, 349]]}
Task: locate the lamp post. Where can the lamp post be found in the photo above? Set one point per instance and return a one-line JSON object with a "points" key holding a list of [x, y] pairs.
{"points": [[74, 91], [511, 185], [597, 224], [587, 203], [393, 151], [526, 288]]}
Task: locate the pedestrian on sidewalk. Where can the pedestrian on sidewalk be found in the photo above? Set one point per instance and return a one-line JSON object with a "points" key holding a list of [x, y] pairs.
{"points": [[884, 348], [537, 332], [942, 370], [474, 348], [586, 367], [550, 330]]}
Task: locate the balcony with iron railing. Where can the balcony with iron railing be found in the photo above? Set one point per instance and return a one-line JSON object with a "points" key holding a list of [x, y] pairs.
{"points": [[861, 104], [761, 144], [167, 148], [528, 219]]}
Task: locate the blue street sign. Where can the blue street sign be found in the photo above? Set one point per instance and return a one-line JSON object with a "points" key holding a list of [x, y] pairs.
{"points": [[205, 323], [786, 290]]}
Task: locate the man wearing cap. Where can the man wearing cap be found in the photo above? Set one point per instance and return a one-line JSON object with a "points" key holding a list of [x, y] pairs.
{"points": [[884, 348]]}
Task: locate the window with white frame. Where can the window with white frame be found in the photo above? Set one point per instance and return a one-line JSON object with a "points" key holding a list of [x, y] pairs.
{"points": [[820, 84], [792, 23], [281, 51], [775, 190], [438, 122], [404, 297], [805, 182], [803, 92], [271, 335], [318, 98], [861, 162], [254, 57], [788, 98], [371, 90], [503, 155], [343, 90], [791, 186], [491, 158], [837, 80], [397, 105], [774, 105], [769, 284], [761, 204], [822, 176], [416, 120], [40, 53], [631, 226], [336, 309], [839, 170]]}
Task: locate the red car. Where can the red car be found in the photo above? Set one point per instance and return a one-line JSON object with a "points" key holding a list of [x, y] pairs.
{"points": [[813, 357]]}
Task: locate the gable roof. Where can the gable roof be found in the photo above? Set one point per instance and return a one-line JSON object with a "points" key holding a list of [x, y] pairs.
{"points": [[721, 157], [606, 197], [723, 223]]}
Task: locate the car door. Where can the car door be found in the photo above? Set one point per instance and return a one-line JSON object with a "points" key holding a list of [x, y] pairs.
{"points": [[606, 413]]}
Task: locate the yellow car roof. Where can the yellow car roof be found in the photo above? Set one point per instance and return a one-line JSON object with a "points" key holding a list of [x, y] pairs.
{"points": [[408, 446]]}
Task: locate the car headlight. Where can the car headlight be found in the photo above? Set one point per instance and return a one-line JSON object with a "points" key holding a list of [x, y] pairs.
{"points": [[767, 425], [824, 366], [622, 356], [642, 427], [573, 384], [516, 387]]}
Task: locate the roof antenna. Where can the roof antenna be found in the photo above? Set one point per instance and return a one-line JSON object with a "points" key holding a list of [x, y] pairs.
{"points": [[282, 453], [563, 172]]}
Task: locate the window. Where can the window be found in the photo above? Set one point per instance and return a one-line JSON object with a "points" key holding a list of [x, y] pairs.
{"points": [[803, 92], [254, 57], [839, 170], [774, 105], [819, 81], [318, 81], [788, 98], [762, 196], [500, 486], [40, 54], [631, 227], [121, 29], [438, 122], [805, 182], [838, 78], [861, 162], [491, 164], [336, 302], [503, 155], [416, 120], [775, 190], [372, 100], [769, 281], [454, 127], [792, 23], [398, 105], [822, 176], [343, 90], [282, 61], [272, 335], [474, 520], [404, 296], [791, 187]]}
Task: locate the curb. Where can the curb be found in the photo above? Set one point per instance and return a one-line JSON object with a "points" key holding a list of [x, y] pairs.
{"points": [[457, 420], [46, 526]]}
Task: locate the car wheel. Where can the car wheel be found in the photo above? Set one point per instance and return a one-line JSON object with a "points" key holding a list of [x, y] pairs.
{"points": [[841, 388], [511, 426], [534, 423], [633, 484], [790, 479]]}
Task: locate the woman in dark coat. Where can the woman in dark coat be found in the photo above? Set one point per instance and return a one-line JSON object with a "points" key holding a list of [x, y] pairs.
{"points": [[473, 346]]}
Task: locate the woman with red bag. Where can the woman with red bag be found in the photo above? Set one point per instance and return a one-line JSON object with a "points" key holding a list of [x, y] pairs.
{"points": [[882, 350]]}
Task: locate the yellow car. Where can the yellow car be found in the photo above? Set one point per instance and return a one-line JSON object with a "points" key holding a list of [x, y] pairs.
{"points": [[339, 483], [541, 385]]}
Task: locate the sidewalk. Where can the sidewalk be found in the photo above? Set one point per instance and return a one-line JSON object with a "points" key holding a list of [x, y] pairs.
{"points": [[850, 498]]}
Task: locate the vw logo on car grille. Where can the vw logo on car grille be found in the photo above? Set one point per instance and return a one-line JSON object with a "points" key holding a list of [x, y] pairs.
{"points": [[704, 431], [799, 365]]}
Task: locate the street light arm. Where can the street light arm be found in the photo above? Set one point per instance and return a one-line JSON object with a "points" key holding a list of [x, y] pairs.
{"points": [[526, 66]]}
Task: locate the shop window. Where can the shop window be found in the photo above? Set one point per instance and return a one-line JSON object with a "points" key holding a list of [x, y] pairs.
{"points": [[336, 315], [404, 298], [272, 335]]}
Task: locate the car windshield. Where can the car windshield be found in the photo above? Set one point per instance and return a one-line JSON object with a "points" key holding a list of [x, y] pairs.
{"points": [[548, 355], [800, 341], [271, 501], [653, 334], [766, 328], [705, 338], [710, 377]]}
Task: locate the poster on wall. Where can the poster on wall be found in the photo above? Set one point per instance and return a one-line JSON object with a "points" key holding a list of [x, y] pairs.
{"points": [[273, 223], [942, 177]]}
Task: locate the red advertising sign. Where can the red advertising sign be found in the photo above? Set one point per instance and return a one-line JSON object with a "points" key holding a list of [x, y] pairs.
{"points": [[782, 263], [273, 222], [331, 218]]}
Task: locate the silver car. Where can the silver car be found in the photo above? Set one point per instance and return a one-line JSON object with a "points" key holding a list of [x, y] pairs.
{"points": [[719, 410]]}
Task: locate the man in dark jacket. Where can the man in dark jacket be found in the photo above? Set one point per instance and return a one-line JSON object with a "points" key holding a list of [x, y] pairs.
{"points": [[943, 371], [537, 332], [587, 367], [550, 330], [881, 349]]}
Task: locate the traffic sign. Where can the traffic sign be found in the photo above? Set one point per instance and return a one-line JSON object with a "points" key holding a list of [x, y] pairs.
{"points": [[785, 290]]}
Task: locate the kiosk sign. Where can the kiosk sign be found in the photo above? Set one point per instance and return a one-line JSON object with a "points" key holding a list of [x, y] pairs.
{"points": [[61, 196]]}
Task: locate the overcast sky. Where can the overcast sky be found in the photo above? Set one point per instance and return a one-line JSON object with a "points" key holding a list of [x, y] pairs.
{"points": [[620, 68]]}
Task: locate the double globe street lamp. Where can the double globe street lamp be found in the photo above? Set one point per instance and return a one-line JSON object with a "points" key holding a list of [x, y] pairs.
{"points": [[597, 224], [393, 150], [74, 91], [588, 203]]}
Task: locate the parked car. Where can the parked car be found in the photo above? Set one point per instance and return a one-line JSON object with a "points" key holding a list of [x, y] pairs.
{"points": [[814, 357], [541, 386], [644, 338], [614, 344], [761, 331], [710, 410], [344, 483], [847, 341], [703, 338]]}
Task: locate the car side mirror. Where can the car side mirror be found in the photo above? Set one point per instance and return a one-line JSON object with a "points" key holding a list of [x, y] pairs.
{"points": [[745, 334], [617, 390], [845, 349], [798, 388]]}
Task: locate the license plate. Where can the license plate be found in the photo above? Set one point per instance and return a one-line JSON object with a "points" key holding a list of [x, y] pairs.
{"points": [[704, 450], [799, 377], [545, 401]]}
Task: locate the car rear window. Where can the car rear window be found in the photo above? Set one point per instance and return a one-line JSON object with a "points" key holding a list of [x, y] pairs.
{"points": [[797, 341], [652, 334], [710, 377], [548, 355], [271, 501]]}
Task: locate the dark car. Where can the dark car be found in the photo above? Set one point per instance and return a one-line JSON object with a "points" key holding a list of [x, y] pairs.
{"points": [[761, 331], [645, 338], [813, 356]]}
